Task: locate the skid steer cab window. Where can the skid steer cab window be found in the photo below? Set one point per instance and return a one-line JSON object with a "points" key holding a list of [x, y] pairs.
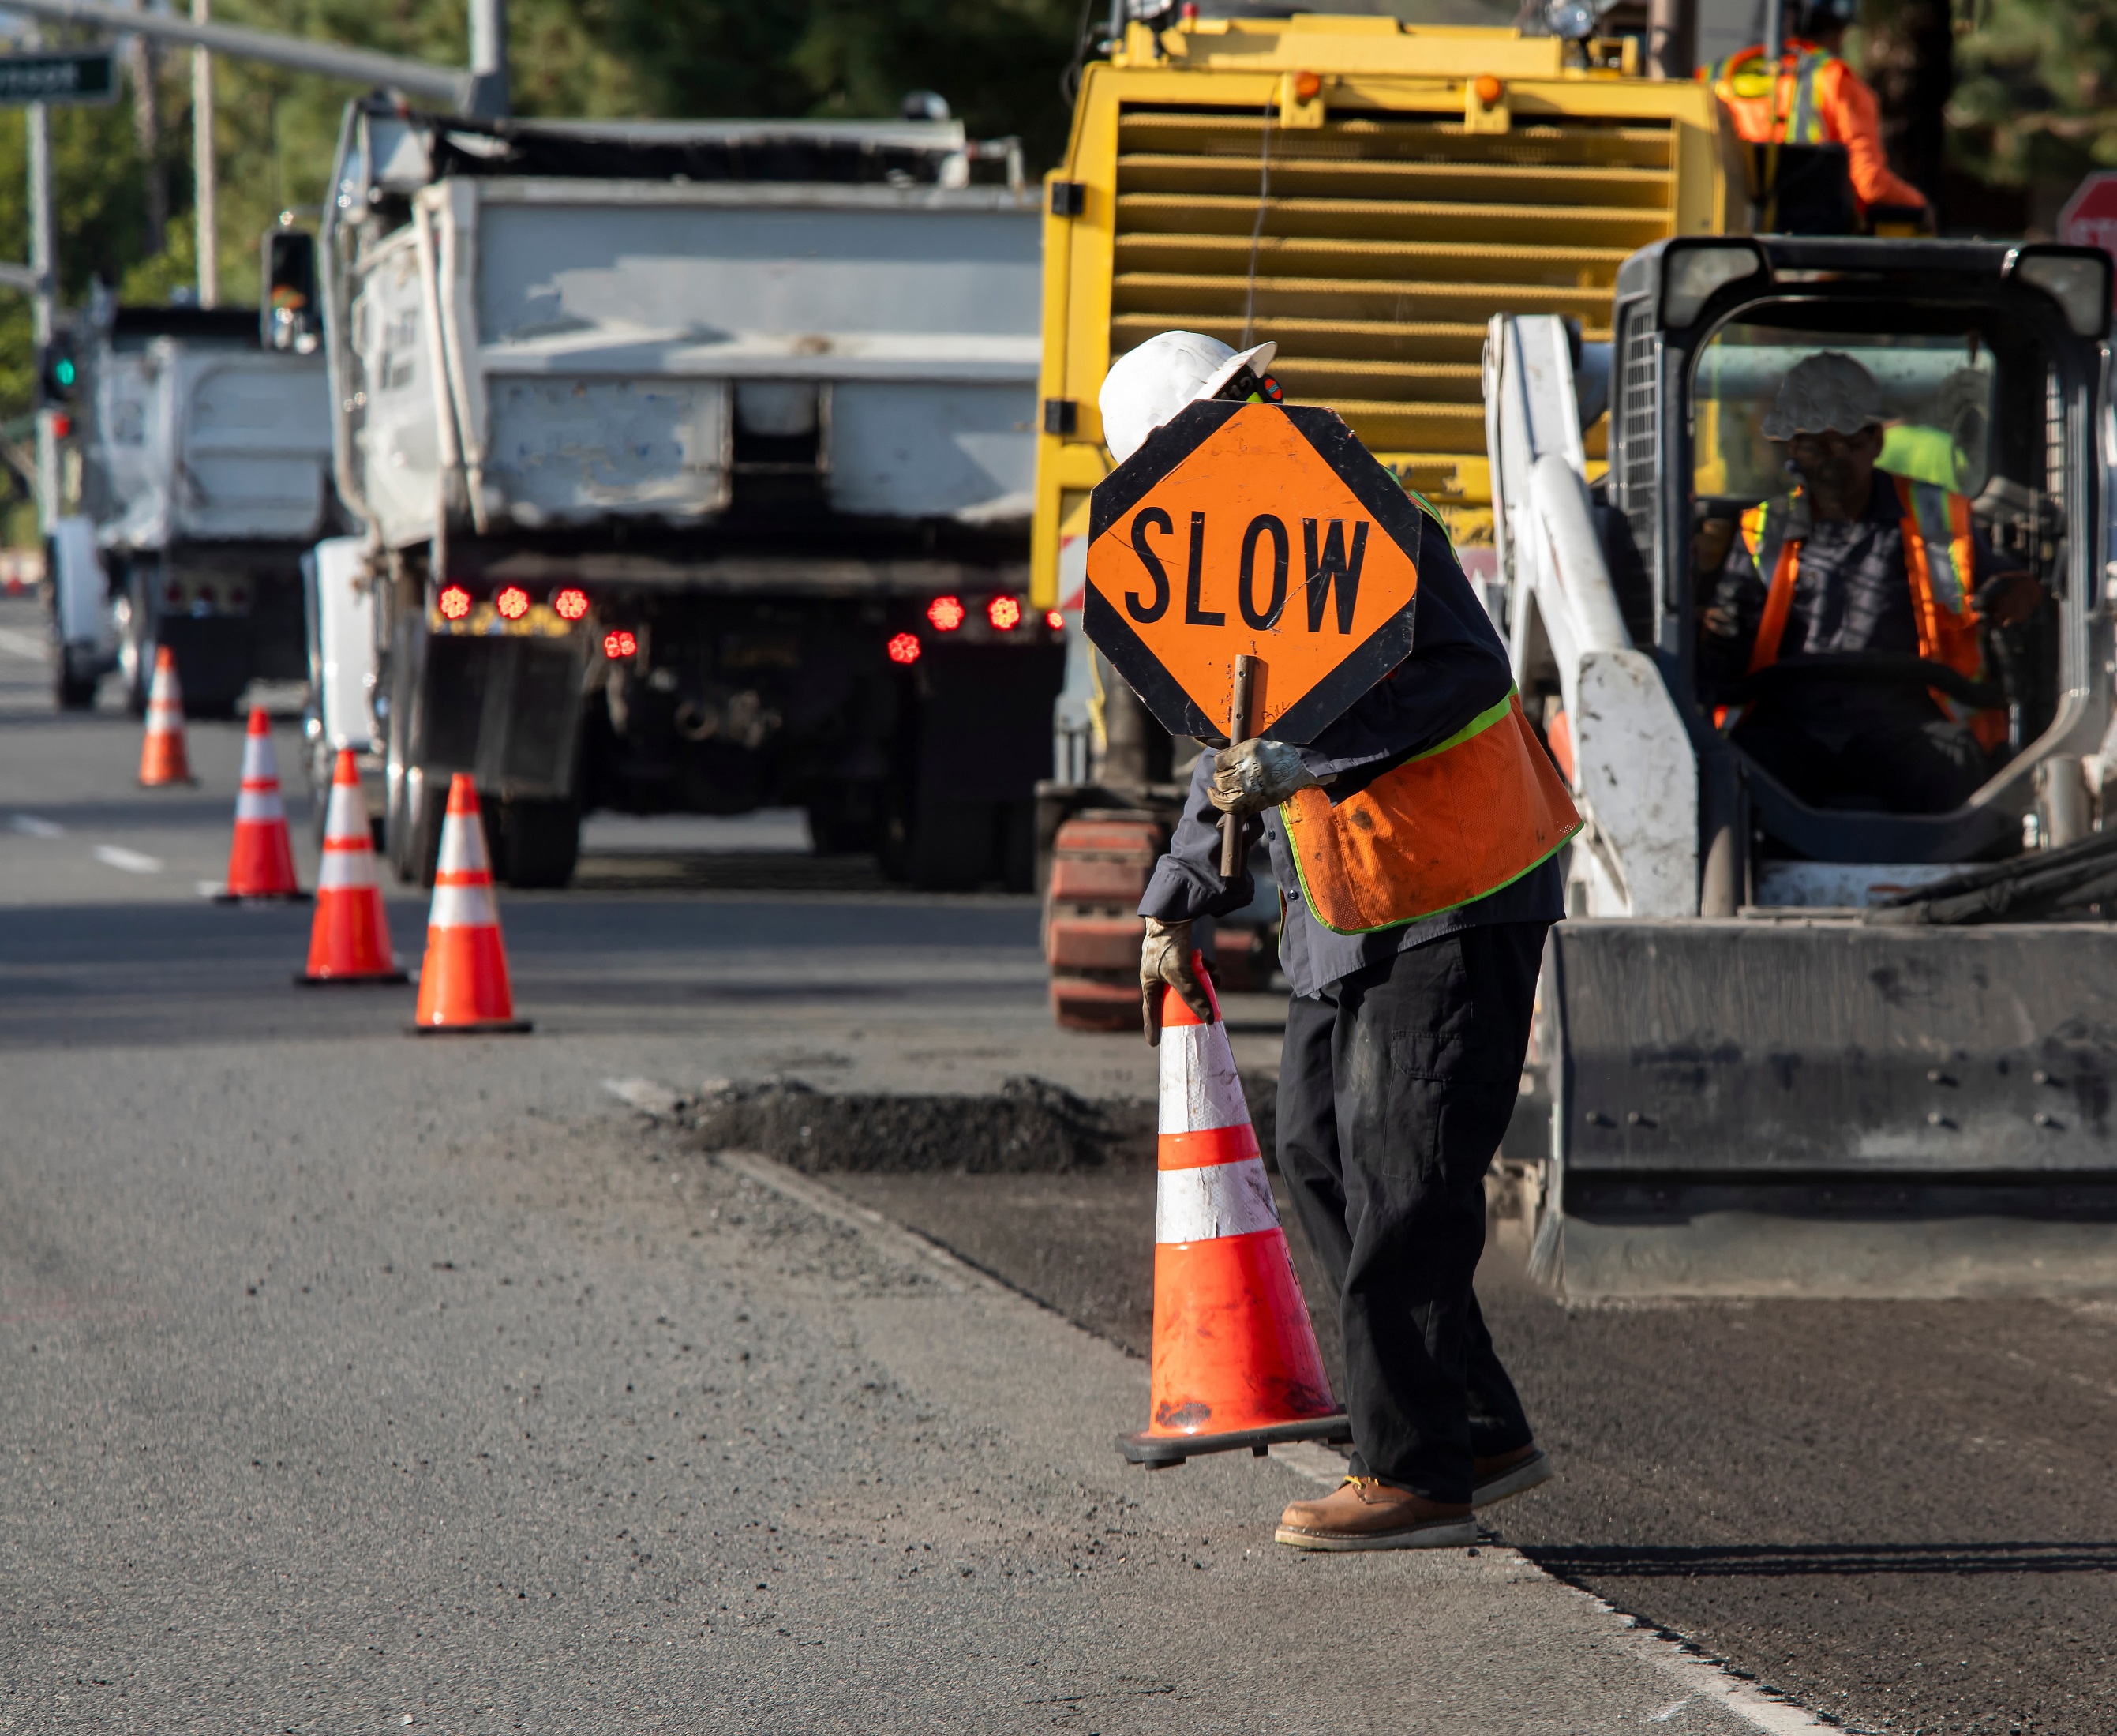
{"points": [[1871, 633], [1936, 400]]}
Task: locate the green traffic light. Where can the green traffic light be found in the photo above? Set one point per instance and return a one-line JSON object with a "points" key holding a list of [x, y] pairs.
{"points": [[64, 371]]}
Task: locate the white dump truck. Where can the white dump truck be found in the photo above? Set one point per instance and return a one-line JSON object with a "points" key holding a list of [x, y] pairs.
{"points": [[696, 463], [205, 475]]}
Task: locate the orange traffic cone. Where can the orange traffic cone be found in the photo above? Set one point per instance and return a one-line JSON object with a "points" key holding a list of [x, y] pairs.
{"points": [[1235, 1361], [261, 861], [162, 756], [349, 940], [463, 985]]}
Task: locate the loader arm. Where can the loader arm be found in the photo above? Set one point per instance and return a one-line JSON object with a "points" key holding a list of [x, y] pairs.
{"points": [[1633, 772]]}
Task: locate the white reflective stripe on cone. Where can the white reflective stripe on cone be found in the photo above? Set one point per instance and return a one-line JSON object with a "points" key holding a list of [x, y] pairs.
{"points": [[1221, 1199], [463, 848], [165, 712], [1199, 1088], [258, 760], [345, 868], [256, 804], [346, 817], [463, 906]]}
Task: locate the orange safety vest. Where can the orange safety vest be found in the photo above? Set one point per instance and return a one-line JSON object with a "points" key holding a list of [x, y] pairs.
{"points": [[1768, 109], [1446, 827], [1936, 522]]}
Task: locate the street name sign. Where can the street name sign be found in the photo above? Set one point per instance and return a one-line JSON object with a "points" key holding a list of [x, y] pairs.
{"points": [[1258, 530], [74, 78]]}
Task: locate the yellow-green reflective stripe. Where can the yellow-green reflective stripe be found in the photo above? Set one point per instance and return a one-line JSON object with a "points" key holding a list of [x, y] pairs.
{"points": [[1930, 505], [1477, 726], [1301, 875]]}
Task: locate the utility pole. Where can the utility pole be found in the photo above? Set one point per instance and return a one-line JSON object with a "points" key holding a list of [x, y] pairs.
{"points": [[206, 171], [488, 58], [140, 66], [43, 299]]}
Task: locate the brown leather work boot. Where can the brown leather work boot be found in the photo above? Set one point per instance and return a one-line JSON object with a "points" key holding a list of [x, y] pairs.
{"points": [[1506, 1474], [1365, 1513]]}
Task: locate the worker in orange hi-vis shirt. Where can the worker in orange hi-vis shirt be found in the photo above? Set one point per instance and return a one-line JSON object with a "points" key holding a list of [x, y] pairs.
{"points": [[1814, 98]]}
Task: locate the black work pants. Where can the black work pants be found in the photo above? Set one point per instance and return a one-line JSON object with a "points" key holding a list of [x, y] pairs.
{"points": [[1394, 1090]]}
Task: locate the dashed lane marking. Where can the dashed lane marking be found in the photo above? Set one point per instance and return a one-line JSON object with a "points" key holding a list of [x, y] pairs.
{"points": [[115, 856], [31, 645], [31, 826]]}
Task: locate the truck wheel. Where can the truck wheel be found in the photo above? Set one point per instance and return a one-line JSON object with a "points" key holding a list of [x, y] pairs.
{"points": [[843, 820], [413, 830], [536, 843], [72, 691], [951, 847]]}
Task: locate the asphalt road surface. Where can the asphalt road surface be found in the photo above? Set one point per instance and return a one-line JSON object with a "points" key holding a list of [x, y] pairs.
{"points": [[352, 1379]]}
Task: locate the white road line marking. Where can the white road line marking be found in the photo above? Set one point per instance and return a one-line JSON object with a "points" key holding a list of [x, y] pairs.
{"points": [[31, 826], [111, 856], [31, 645]]}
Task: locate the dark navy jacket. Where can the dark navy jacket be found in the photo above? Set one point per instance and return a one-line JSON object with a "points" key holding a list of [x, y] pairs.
{"points": [[1457, 668]]}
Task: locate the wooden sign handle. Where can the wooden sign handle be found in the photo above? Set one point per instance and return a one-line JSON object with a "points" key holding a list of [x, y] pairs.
{"points": [[1233, 851]]}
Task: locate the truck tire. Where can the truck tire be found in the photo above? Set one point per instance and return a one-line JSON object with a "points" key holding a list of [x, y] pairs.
{"points": [[413, 830], [952, 845], [535, 844], [72, 692]]}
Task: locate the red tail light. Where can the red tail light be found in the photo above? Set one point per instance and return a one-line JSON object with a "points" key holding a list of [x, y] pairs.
{"points": [[1054, 620], [513, 602], [569, 604], [1004, 613], [455, 602], [947, 613], [620, 642], [904, 648]]}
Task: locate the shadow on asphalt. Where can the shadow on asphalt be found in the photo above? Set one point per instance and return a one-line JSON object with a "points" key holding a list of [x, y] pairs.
{"points": [[1618, 1561]]}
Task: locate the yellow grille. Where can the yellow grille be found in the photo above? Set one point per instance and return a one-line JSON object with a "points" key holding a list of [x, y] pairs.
{"points": [[1374, 250]]}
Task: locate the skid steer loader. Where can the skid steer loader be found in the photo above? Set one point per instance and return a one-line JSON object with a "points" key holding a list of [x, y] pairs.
{"points": [[1783, 1049]]}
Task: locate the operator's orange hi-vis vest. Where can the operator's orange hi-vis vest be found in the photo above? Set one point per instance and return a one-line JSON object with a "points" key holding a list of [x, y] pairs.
{"points": [[1447, 826], [1939, 565], [1814, 99]]}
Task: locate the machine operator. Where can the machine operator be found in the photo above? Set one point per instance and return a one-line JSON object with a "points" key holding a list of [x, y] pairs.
{"points": [[1413, 975], [1858, 561]]}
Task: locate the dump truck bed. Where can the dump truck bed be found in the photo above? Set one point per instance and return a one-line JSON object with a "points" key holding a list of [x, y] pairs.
{"points": [[1371, 230]]}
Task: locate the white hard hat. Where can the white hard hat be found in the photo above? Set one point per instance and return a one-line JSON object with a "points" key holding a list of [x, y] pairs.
{"points": [[1827, 392], [1147, 387]]}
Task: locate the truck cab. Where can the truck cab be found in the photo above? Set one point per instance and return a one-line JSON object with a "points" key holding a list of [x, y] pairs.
{"points": [[206, 472]]}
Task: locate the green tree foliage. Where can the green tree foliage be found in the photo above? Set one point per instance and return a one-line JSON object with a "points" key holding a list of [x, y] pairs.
{"points": [[2036, 93], [997, 62]]}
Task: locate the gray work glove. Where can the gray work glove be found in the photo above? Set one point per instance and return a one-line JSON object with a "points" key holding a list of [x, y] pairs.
{"points": [[1257, 774], [1164, 962]]}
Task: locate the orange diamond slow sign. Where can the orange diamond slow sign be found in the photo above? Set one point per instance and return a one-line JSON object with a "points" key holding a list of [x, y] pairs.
{"points": [[1255, 528]]}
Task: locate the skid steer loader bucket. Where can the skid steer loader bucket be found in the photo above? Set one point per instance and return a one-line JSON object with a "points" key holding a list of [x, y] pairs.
{"points": [[1829, 1107]]}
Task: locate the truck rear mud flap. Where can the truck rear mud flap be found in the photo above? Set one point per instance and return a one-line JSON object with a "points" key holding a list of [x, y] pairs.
{"points": [[1824, 1108]]}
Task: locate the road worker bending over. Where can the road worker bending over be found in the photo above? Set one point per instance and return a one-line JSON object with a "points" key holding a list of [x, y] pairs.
{"points": [[1413, 976], [1814, 98], [1858, 566]]}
